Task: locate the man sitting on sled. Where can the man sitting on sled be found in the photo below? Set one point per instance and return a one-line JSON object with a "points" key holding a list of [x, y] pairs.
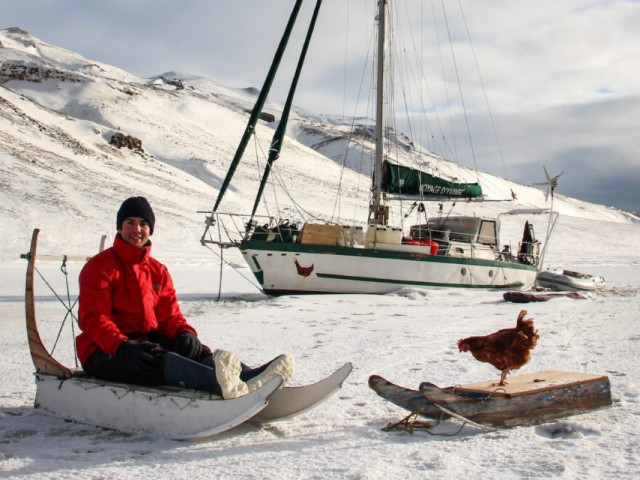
{"points": [[133, 330]]}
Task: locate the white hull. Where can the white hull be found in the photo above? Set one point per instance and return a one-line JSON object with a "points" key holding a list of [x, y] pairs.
{"points": [[162, 411], [565, 280], [293, 268]]}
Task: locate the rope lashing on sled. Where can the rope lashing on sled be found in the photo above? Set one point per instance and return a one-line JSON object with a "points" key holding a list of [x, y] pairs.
{"points": [[463, 419], [486, 397], [483, 399], [411, 423], [181, 406], [67, 305], [63, 269], [122, 390]]}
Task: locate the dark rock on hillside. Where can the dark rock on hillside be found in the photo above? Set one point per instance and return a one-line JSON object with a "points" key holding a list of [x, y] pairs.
{"points": [[33, 72], [120, 140]]}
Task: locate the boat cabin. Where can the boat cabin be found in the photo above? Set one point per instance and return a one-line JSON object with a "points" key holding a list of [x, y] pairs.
{"points": [[452, 233]]}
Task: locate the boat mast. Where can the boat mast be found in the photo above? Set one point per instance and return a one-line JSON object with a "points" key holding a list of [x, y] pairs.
{"points": [[379, 212], [278, 136], [257, 108]]}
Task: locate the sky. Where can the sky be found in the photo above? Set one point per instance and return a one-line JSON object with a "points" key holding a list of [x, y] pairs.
{"points": [[561, 79]]}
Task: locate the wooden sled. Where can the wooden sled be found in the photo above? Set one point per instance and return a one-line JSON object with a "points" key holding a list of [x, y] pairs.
{"points": [[525, 400]]}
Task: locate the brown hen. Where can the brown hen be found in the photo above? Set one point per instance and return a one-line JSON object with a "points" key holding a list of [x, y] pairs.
{"points": [[506, 349]]}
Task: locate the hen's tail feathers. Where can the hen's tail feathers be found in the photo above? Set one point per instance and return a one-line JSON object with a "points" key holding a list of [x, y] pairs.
{"points": [[521, 316], [526, 327]]}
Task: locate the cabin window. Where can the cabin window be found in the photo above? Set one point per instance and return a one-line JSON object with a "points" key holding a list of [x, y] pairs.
{"points": [[462, 229], [487, 233]]}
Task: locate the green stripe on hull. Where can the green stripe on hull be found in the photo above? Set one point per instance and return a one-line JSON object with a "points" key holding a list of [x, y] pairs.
{"points": [[413, 283]]}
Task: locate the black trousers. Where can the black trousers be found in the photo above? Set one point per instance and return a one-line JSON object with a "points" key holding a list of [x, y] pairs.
{"points": [[173, 369]]}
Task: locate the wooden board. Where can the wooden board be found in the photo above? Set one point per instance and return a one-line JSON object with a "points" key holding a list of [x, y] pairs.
{"points": [[531, 383], [558, 394]]}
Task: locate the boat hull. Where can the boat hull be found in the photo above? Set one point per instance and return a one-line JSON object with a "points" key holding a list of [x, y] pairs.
{"points": [[285, 268]]}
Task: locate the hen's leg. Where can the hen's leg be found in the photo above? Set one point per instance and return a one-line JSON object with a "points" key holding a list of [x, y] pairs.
{"points": [[503, 377]]}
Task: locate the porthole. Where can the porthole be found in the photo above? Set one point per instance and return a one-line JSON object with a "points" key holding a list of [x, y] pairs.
{"points": [[463, 271], [490, 273]]}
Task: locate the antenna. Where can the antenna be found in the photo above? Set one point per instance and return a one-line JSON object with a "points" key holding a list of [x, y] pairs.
{"points": [[551, 183]]}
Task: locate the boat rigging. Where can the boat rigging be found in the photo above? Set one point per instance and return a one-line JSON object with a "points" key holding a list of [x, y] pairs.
{"points": [[333, 257]]}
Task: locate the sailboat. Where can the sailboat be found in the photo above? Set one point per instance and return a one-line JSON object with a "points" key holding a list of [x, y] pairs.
{"points": [[375, 258]]}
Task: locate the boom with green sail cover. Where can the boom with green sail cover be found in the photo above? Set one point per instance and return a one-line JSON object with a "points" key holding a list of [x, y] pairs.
{"points": [[401, 180]]}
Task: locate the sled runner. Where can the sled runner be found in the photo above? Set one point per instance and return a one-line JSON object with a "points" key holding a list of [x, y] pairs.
{"points": [[526, 399], [290, 401], [165, 411]]}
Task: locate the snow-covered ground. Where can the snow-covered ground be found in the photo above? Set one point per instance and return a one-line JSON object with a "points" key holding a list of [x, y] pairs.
{"points": [[58, 173], [409, 336]]}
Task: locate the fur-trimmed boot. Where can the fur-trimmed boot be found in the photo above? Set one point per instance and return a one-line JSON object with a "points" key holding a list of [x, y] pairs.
{"points": [[227, 370], [282, 365]]}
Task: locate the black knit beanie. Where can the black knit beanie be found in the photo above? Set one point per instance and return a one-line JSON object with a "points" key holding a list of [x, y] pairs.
{"points": [[136, 207]]}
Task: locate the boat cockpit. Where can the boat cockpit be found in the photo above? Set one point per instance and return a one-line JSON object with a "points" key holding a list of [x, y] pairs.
{"points": [[457, 235]]}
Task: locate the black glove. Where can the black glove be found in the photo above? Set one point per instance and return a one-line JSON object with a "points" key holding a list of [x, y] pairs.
{"points": [[143, 358], [188, 345]]}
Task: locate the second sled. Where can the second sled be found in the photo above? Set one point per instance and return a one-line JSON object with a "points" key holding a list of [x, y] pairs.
{"points": [[525, 400]]}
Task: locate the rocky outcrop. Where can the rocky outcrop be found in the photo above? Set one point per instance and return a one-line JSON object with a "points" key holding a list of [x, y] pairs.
{"points": [[33, 72], [120, 140], [264, 116], [176, 82]]}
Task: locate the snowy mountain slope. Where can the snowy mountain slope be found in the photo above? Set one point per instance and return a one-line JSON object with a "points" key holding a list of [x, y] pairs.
{"points": [[59, 111]]}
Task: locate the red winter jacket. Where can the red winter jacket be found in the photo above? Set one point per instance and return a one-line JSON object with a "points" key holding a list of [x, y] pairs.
{"points": [[125, 294]]}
